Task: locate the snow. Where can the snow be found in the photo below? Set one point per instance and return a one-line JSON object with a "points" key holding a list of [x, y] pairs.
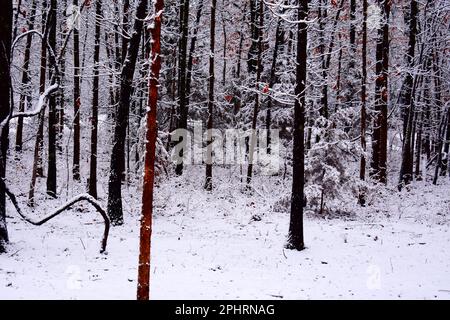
{"points": [[229, 245]]}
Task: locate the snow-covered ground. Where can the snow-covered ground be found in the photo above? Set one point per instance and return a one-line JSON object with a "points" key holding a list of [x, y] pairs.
{"points": [[229, 245]]}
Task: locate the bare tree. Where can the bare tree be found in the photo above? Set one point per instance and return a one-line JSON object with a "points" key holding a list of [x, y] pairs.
{"points": [[295, 238]]}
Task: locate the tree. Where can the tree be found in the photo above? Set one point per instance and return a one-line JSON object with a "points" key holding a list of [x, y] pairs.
{"points": [[257, 102], [6, 21], [212, 43], [76, 98], [115, 211], [143, 290], [25, 78], [362, 167], [406, 170], [191, 52], [295, 237], [95, 89], [380, 124], [279, 35], [38, 170], [182, 58], [52, 123]]}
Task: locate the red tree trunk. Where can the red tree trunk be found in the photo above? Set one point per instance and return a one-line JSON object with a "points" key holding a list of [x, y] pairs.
{"points": [[143, 289]]}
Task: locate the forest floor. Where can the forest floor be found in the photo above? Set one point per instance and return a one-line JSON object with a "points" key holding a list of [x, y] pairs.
{"points": [[229, 245]]}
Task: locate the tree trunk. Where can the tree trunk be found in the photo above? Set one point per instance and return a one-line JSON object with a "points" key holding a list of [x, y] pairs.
{"points": [[76, 101], [6, 21], [143, 290], [406, 171], [52, 124], [362, 167], [62, 102], [191, 53], [123, 52], [252, 62], [182, 56], [37, 170], [25, 97], [324, 110], [380, 130], [95, 88], [278, 39], [418, 171], [126, 86], [208, 181], [351, 75], [295, 238], [253, 137]]}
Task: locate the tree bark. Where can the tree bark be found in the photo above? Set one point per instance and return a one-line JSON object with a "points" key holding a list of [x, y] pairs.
{"points": [[362, 167], [6, 21], [182, 58], [406, 171], [278, 40], [295, 237], [208, 180], [95, 88], [51, 173], [25, 97], [143, 289], [324, 108], [115, 211], [191, 53], [257, 89], [37, 170], [380, 130], [76, 101]]}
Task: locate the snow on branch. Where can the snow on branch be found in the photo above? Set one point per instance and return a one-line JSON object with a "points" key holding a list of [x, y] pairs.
{"points": [[40, 105], [64, 207]]}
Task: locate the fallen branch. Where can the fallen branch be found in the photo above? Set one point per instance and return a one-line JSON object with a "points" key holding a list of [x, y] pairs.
{"points": [[64, 207]]}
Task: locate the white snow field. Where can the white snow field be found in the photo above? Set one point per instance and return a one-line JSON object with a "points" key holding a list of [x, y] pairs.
{"points": [[229, 245]]}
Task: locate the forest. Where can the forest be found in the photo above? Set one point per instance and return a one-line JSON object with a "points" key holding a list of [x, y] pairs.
{"points": [[250, 149]]}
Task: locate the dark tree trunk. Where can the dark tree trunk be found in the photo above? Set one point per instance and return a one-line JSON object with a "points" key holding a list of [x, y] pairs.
{"points": [[253, 137], [295, 238], [252, 61], [351, 74], [25, 97], [362, 168], [62, 94], [440, 143], [406, 171], [6, 21], [418, 171], [380, 130], [191, 52], [123, 52], [143, 289], [16, 19], [76, 102], [324, 109], [126, 82], [52, 123], [278, 40], [38, 170], [182, 58], [95, 88], [208, 180], [224, 69], [446, 147], [322, 16], [125, 27]]}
